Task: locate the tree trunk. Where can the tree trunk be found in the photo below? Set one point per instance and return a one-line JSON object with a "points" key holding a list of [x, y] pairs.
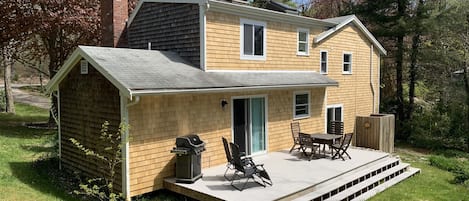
{"points": [[466, 89], [8, 63], [401, 9], [413, 61]]}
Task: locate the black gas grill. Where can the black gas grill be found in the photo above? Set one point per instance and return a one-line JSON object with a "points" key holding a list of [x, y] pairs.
{"points": [[188, 152]]}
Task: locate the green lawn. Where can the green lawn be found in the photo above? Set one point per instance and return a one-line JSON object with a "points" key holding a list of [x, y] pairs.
{"points": [[20, 178], [431, 184], [23, 179]]}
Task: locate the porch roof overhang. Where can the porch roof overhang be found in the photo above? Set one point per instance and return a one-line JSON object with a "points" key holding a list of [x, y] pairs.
{"points": [[149, 72]]}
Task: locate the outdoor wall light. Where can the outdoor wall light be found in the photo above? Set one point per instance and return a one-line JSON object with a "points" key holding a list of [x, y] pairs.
{"points": [[223, 103]]}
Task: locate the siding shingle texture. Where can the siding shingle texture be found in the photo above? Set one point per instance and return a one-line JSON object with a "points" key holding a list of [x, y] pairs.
{"points": [[169, 27]]}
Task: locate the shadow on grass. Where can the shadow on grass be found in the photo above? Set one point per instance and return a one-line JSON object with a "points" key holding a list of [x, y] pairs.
{"points": [[43, 176], [19, 131]]}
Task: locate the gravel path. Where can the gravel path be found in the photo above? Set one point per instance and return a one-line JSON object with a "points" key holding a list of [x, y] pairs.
{"points": [[30, 98]]}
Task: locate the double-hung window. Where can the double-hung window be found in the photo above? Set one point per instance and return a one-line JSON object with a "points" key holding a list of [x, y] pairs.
{"points": [[323, 62], [303, 37], [253, 38], [347, 63], [301, 104]]}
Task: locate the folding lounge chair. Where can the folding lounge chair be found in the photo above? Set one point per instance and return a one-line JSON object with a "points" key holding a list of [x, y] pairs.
{"points": [[247, 169], [342, 147], [229, 158]]}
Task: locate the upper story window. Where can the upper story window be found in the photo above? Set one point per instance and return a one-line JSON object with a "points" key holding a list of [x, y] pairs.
{"points": [[301, 102], [347, 63], [303, 38], [323, 62], [252, 39]]}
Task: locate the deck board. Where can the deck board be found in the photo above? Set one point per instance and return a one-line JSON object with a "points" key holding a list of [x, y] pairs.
{"points": [[290, 173]]}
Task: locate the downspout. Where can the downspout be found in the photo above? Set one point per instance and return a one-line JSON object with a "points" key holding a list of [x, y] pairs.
{"points": [[371, 79], [125, 149], [203, 8]]}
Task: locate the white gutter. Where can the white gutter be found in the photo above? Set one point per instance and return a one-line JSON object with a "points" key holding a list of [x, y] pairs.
{"points": [[229, 89], [264, 14], [125, 149]]}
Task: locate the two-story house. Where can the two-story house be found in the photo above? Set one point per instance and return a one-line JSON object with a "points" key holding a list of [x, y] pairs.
{"points": [[217, 69]]}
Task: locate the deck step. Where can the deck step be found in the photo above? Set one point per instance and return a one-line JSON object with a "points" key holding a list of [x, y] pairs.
{"points": [[335, 185], [370, 193], [371, 183]]}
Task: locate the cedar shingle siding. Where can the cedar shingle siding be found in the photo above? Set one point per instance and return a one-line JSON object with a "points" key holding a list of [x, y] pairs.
{"points": [[168, 26], [86, 101]]}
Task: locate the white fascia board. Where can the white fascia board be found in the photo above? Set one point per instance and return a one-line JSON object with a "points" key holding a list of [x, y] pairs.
{"points": [[53, 84], [77, 55], [141, 2], [246, 11], [123, 89], [228, 89], [359, 24]]}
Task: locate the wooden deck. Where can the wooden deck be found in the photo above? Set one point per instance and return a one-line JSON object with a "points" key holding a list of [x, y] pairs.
{"points": [[291, 174]]}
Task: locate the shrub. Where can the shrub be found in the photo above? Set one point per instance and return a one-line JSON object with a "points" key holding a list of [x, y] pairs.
{"points": [[460, 168], [102, 188]]}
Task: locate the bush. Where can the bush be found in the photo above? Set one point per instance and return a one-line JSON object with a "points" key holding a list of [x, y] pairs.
{"points": [[3, 103], [460, 168], [102, 188]]}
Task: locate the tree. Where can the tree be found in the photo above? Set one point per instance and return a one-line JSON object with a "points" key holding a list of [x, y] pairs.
{"points": [[59, 27], [451, 41], [327, 8], [14, 27]]}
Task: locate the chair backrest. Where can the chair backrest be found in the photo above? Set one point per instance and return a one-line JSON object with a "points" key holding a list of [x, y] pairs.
{"points": [[227, 150], [336, 127], [295, 131], [236, 154], [346, 140], [305, 139]]}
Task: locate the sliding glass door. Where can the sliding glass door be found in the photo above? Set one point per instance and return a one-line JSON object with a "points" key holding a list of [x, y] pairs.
{"points": [[249, 124]]}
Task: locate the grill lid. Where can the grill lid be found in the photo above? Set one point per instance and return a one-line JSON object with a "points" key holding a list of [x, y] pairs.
{"points": [[190, 141]]}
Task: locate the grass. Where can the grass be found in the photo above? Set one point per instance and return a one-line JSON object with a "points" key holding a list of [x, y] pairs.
{"points": [[20, 147], [22, 178], [431, 184]]}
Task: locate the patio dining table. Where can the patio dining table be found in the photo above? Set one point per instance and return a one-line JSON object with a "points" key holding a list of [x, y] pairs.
{"points": [[323, 138]]}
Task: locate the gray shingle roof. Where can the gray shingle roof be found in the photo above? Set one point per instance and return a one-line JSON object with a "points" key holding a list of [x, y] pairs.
{"points": [[150, 71]]}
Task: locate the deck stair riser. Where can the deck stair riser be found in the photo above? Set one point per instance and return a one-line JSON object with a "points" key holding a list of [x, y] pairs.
{"points": [[339, 183], [354, 183], [362, 187]]}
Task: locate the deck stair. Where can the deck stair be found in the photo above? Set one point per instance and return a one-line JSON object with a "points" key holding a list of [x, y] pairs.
{"points": [[359, 184]]}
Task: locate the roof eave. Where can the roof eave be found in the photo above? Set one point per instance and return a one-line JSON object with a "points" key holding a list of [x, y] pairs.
{"points": [[148, 92], [249, 11], [77, 55], [359, 24]]}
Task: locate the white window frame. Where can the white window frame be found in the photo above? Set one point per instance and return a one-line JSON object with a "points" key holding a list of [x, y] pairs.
{"points": [[327, 61], [341, 106], [298, 42], [241, 42], [303, 116], [343, 63]]}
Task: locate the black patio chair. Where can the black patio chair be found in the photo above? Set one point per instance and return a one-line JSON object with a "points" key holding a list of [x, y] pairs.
{"points": [[229, 158], [307, 142], [342, 147], [295, 132], [336, 127], [247, 169]]}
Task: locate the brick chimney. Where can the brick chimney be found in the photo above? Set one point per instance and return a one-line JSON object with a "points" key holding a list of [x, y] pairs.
{"points": [[114, 14]]}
